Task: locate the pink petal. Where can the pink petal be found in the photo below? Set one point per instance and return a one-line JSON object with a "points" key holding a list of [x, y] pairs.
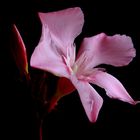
{"points": [[91, 100], [47, 57], [114, 50], [55, 52], [113, 88], [64, 26]]}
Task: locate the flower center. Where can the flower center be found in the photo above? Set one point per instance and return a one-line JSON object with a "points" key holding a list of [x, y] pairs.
{"points": [[75, 68]]}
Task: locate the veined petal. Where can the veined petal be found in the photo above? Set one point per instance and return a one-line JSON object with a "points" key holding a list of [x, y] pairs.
{"points": [[114, 50], [113, 88], [91, 100], [64, 26], [46, 56]]}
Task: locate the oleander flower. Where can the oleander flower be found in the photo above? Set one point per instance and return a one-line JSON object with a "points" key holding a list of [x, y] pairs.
{"points": [[56, 53]]}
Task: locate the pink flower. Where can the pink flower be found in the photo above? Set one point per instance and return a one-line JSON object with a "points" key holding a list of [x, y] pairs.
{"points": [[56, 53]]}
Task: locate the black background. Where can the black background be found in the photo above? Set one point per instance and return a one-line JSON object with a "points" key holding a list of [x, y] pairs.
{"points": [[116, 119]]}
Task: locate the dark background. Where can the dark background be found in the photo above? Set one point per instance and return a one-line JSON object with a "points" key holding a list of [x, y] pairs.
{"points": [[18, 110]]}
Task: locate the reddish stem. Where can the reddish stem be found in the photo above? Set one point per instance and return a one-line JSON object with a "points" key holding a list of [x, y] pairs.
{"points": [[40, 131]]}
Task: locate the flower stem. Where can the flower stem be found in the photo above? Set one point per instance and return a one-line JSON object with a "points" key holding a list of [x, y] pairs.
{"points": [[40, 131]]}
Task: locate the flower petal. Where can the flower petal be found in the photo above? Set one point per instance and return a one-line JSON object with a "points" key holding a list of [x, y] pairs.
{"points": [[64, 26], [113, 88], [47, 57], [91, 100], [55, 52], [114, 50]]}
